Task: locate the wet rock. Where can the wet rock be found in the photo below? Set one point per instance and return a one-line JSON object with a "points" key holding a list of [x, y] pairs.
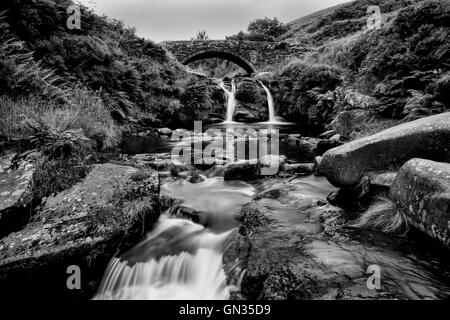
{"points": [[388, 150], [246, 116], [328, 134], [84, 226], [317, 161], [154, 161], [346, 198], [381, 180], [292, 244], [306, 147], [356, 100], [243, 170], [299, 168], [196, 178], [336, 137], [271, 164], [276, 240], [164, 131], [161, 162], [325, 145], [248, 170], [16, 190], [422, 192]]}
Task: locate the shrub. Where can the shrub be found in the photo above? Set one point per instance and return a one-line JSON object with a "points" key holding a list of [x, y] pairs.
{"points": [[299, 91], [441, 89], [266, 29], [129, 73], [410, 53]]}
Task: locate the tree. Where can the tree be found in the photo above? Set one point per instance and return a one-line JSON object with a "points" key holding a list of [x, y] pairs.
{"points": [[266, 29], [201, 35]]}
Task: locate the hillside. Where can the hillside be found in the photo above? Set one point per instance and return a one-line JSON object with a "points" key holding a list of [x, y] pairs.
{"points": [[105, 66], [402, 68], [340, 21]]}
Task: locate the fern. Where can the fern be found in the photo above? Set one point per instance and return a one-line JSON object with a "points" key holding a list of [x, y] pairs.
{"points": [[21, 74]]}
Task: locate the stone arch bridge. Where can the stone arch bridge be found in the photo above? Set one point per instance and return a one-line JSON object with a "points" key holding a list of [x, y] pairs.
{"points": [[252, 56]]}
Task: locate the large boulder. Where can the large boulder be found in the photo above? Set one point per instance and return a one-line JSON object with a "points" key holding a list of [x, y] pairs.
{"points": [[85, 227], [16, 191], [422, 192], [426, 138]]}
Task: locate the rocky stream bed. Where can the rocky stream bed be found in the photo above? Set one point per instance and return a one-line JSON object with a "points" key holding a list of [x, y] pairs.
{"points": [[284, 236]]}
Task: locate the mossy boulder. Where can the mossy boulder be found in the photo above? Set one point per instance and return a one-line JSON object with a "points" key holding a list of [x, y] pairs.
{"points": [[422, 192], [84, 226], [426, 138]]}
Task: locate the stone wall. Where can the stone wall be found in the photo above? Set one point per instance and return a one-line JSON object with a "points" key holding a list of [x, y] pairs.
{"points": [[256, 55]]}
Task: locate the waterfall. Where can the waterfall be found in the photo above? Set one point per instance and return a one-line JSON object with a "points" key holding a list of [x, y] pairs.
{"points": [[231, 100], [272, 116], [180, 259], [191, 271]]}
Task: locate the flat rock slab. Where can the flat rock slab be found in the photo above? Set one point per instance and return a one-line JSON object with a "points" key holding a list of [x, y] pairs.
{"points": [[426, 138], [275, 230], [422, 192], [16, 192], [292, 244], [84, 226]]}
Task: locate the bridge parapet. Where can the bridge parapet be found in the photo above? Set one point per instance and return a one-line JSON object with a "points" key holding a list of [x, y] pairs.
{"points": [[250, 55]]}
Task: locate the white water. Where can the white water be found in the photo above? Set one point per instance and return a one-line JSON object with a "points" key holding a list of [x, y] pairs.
{"points": [[180, 259], [271, 104], [192, 272], [231, 100]]}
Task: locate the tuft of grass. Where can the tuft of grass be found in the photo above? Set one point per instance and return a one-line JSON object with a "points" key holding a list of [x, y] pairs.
{"points": [[23, 117], [383, 215], [54, 176], [12, 112]]}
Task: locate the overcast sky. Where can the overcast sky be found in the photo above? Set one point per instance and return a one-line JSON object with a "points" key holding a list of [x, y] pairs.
{"points": [[161, 20]]}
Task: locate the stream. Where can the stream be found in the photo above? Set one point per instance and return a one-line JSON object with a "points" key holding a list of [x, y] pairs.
{"points": [[182, 257]]}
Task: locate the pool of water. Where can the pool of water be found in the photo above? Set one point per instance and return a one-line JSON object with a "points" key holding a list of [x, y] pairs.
{"points": [[164, 144]]}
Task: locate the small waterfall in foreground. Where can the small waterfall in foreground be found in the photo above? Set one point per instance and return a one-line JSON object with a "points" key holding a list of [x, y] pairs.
{"points": [[271, 104], [231, 100], [180, 259], [193, 271]]}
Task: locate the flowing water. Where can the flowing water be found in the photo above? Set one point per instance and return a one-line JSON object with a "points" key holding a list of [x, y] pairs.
{"points": [[182, 256], [231, 103], [231, 100], [180, 259], [271, 104]]}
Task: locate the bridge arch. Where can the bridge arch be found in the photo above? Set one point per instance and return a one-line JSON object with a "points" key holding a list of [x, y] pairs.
{"points": [[223, 54]]}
